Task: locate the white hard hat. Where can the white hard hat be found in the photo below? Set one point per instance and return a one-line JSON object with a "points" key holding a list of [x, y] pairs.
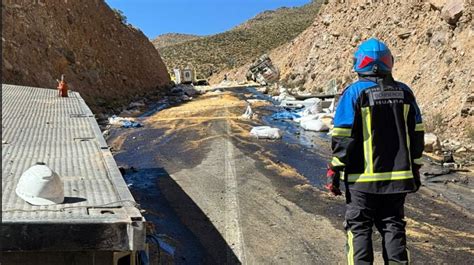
{"points": [[39, 185]]}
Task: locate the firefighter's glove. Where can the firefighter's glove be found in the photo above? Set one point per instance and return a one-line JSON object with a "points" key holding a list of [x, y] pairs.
{"points": [[332, 183], [416, 176]]}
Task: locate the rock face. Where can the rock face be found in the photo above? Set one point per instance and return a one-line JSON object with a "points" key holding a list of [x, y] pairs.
{"points": [[432, 55], [108, 62]]}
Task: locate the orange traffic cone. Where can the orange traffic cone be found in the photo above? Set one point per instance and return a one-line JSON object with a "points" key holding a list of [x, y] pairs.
{"points": [[62, 87]]}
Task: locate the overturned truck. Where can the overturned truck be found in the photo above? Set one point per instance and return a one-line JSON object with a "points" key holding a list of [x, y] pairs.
{"points": [[263, 71]]}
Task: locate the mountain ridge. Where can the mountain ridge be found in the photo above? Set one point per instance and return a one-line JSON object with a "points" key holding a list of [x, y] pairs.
{"points": [[243, 43]]}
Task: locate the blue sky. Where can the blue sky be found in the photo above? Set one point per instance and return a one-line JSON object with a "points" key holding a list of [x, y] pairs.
{"points": [[201, 17]]}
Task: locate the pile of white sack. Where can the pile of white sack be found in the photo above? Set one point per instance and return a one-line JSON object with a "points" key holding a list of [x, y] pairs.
{"points": [[315, 114], [284, 95], [320, 122], [315, 117]]}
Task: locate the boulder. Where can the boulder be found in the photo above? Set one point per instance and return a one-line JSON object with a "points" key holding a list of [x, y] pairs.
{"points": [[431, 143], [452, 11], [461, 150], [327, 19], [437, 4], [467, 108]]}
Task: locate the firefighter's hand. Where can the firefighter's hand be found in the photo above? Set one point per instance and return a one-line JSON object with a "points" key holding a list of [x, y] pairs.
{"points": [[332, 184], [416, 176]]}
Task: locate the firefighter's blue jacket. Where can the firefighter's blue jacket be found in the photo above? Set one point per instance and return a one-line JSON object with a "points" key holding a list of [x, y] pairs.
{"points": [[378, 136]]}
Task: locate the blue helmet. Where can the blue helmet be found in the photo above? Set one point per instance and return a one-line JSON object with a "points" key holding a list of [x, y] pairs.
{"points": [[373, 57]]}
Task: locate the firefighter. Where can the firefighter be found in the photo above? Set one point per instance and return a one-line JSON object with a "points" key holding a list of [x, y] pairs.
{"points": [[377, 144]]}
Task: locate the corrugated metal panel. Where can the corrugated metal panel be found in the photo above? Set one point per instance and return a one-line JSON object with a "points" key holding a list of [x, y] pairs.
{"points": [[39, 126]]}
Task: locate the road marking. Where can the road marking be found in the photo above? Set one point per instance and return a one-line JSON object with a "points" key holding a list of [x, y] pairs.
{"points": [[233, 229]]}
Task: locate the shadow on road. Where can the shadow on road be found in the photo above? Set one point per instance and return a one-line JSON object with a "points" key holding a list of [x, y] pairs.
{"points": [[197, 221], [195, 240]]}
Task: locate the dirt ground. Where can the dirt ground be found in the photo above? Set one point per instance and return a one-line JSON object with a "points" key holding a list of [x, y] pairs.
{"points": [[227, 198]]}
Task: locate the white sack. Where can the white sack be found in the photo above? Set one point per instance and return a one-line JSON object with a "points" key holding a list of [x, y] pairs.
{"points": [[315, 125], [265, 132]]}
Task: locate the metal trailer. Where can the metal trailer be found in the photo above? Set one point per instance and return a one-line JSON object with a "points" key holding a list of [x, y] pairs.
{"points": [[99, 222], [184, 76]]}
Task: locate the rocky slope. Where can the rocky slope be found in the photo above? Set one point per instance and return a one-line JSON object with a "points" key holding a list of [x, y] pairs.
{"points": [[432, 42], [169, 39], [108, 62], [243, 43]]}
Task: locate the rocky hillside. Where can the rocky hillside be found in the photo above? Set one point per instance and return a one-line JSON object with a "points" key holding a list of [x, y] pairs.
{"points": [[169, 39], [243, 43], [432, 42], [108, 62]]}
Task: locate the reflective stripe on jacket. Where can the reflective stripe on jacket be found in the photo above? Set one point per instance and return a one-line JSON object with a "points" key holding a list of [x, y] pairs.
{"points": [[378, 136]]}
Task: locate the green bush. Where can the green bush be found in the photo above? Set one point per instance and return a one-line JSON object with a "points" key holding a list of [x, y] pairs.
{"points": [[120, 15], [433, 122]]}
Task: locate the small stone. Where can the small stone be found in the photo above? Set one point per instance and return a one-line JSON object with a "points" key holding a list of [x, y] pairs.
{"points": [[461, 150], [404, 35], [7, 64], [437, 4], [356, 39], [449, 165], [467, 108]]}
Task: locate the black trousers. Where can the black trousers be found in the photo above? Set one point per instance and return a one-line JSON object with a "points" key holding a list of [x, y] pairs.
{"points": [[386, 212]]}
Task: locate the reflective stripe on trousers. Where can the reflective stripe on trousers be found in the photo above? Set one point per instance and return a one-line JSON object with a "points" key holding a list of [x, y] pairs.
{"points": [[386, 212]]}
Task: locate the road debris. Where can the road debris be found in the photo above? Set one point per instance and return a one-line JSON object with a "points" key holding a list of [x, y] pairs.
{"points": [[266, 132], [263, 71], [124, 122], [437, 172], [248, 113], [285, 115], [284, 95], [312, 114]]}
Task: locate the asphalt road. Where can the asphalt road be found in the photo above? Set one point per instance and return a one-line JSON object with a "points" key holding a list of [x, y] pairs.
{"points": [[227, 198]]}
